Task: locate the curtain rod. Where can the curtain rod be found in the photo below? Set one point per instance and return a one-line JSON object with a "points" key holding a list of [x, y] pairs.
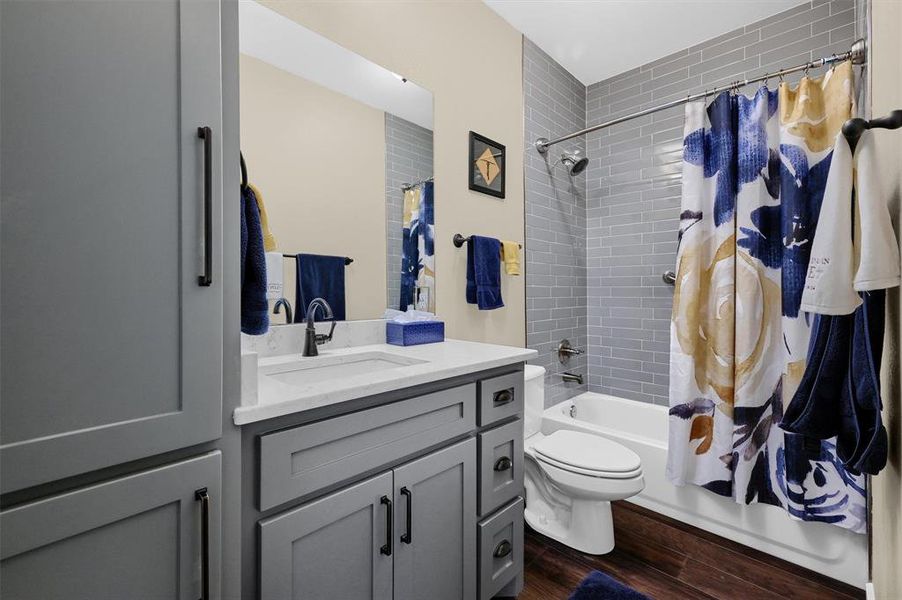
{"points": [[857, 54]]}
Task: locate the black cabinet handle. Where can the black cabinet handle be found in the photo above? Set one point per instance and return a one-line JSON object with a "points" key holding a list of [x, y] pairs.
{"points": [[408, 537], [204, 499], [503, 464], [502, 549], [503, 397], [206, 134], [389, 530]]}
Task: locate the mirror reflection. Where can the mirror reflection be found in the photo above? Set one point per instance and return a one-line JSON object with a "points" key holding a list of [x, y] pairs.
{"points": [[337, 151]]}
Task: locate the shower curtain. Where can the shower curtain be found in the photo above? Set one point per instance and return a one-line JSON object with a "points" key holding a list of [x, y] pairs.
{"points": [[754, 173], [418, 249]]}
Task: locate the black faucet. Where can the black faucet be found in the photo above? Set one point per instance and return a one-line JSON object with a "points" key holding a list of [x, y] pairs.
{"points": [[287, 304], [313, 339]]}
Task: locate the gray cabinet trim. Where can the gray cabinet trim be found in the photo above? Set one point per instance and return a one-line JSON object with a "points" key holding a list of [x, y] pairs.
{"points": [[435, 539], [279, 534], [40, 524], [300, 461], [497, 572], [500, 398], [499, 487]]}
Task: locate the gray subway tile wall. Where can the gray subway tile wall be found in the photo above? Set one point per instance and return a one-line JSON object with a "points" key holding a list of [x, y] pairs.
{"points": [[555, 104], [629, 201], [408, 158]]}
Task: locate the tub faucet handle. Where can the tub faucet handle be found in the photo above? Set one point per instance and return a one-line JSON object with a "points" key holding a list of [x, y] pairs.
{"points": [[565, 350]]}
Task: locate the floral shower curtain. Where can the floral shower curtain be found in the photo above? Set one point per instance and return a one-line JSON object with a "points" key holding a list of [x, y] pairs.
{"points": [[418, 248], [754, 173]]}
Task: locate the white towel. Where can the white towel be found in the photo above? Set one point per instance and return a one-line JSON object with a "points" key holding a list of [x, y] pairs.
{"points": [[274, 275], [828, 284], [876, 248]]}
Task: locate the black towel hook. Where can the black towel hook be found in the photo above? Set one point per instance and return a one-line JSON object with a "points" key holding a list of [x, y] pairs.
{"points": [[243, 171], [853, 128]]}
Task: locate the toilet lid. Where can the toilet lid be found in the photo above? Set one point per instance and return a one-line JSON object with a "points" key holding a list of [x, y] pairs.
{"points": [[588, 452]]}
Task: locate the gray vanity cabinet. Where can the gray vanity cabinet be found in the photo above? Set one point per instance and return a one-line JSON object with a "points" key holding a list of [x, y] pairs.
{"points": [[111, 226], [405, 534], [435, 509], [339, 546], [140, 536]]}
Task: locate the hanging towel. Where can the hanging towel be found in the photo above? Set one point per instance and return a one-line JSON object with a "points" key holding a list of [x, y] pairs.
{"points": [[484, 273], [839, 395], [862, 441], [274, 284], [510, 252], [254, 308], [814, 410], [320, 277], [828, 283], [876, 248], [269, 240]]}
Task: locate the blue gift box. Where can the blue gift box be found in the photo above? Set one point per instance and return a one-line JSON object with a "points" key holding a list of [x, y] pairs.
{"points": [[415, 332]]}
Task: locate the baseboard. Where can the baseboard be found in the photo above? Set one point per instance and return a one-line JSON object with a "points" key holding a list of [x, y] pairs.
{"points": [[869, 592]]}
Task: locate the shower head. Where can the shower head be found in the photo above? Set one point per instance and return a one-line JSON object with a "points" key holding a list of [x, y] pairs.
{"points": [[575, 163]]}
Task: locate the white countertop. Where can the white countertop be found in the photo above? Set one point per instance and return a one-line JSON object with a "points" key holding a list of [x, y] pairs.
{"points": [[443, 360]]}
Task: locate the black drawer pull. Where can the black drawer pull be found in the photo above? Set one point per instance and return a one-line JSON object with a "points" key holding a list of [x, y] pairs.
{"points": [[206, 134], [503, 464], [502, 549], [408, 537], [203, 497], [389, 530], [503, 397]]}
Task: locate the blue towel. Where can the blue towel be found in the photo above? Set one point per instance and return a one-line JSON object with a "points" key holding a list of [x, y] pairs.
{"points": [[814, 408], [839, 395], [320, 277], [254, 307], [484, 273], [862, 441], [598, 586]]}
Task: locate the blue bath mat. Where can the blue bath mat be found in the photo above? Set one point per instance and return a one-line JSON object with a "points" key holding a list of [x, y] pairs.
{"points": [[598, 586]]}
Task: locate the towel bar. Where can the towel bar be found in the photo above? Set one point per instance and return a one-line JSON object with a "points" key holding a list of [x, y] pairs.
{"points": [[348, 259], [459, 240]]}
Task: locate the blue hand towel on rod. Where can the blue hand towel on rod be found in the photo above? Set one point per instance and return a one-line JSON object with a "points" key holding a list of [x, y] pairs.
{"points": [[484, 272], [254, 307], [320, 277]]}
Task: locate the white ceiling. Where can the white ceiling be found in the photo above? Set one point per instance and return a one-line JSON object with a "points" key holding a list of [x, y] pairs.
{"points": [[285, 44], [597, 39]]}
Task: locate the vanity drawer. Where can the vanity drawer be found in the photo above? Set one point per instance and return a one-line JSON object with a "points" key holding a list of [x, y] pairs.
{"points": [[500, 465], [500, 397], [500, 549], [297, 462]]}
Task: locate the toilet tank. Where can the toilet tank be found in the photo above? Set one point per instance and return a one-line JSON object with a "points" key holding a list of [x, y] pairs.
{"points": [[535, 399]]}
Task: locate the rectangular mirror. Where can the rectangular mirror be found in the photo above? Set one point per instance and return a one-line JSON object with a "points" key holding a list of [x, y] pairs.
{"points": [[338, 152]]}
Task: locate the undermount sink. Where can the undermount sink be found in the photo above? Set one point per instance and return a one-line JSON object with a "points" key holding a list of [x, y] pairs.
{"points": [[322, 368]]}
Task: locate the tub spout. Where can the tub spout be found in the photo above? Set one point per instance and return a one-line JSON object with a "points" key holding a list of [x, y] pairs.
{"points": [[572, 378]]}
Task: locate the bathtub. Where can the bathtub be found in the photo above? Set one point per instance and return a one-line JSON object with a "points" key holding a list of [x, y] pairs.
{"points": [[642, 427]]}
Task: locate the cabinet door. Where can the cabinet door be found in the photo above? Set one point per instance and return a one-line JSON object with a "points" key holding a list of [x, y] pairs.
{"points": [[111, 347], [435, 536], [336, 547], [139, 536]]}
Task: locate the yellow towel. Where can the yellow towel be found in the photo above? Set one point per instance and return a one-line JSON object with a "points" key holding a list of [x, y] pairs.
{"points": [[269, 240], [510, 254]]}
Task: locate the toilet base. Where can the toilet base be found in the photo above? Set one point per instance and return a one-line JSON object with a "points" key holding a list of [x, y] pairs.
{"points": [[593, 532]]}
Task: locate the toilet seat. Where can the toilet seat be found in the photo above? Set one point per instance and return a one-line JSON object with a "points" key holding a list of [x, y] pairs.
{"points": [[588, 472], [587, 454]]}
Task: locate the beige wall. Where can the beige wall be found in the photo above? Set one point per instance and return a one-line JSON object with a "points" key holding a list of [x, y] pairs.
{"points": [[318, 158], [471, 60], [886, 488]]}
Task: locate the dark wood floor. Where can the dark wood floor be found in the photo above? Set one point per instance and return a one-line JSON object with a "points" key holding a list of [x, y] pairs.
{"points": [[669, 560]]}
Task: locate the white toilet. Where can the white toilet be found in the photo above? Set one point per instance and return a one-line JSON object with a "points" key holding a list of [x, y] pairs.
{"points": [[571, 477]]}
